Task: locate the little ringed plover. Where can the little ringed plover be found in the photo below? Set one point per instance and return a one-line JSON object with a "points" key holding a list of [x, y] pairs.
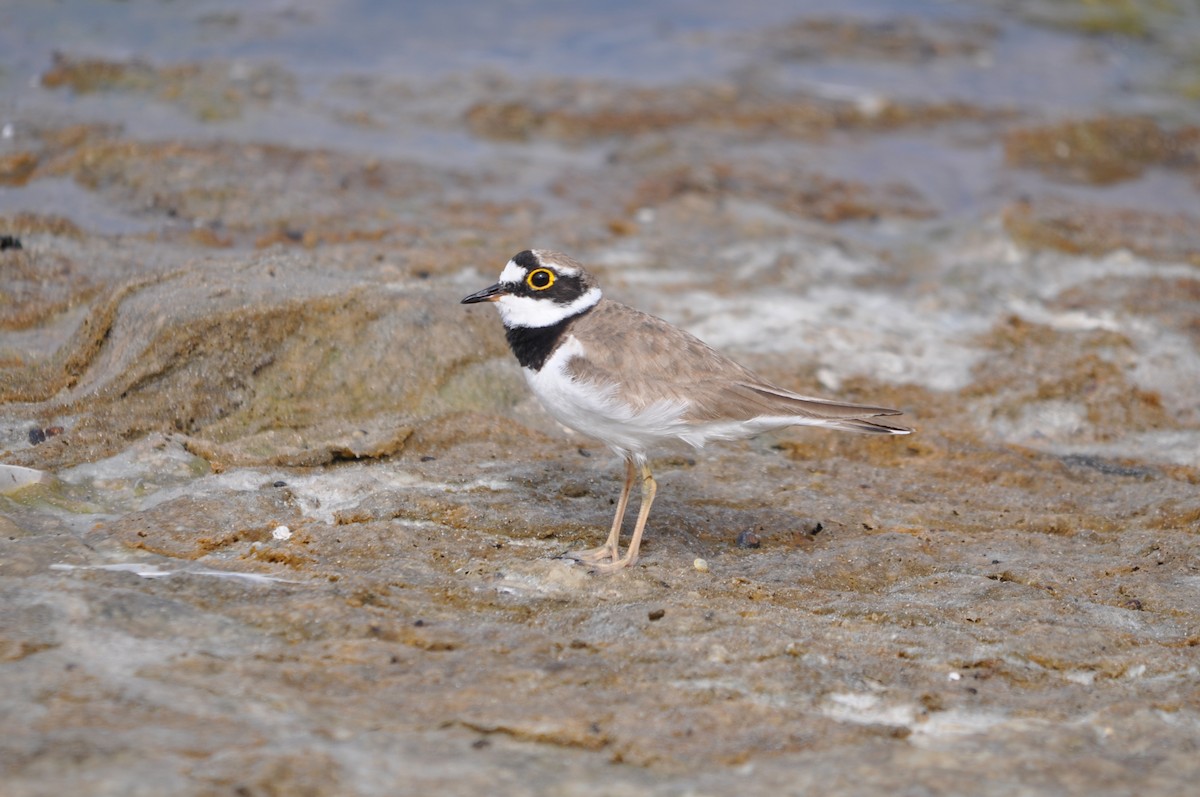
{"points": [[631, 380]]}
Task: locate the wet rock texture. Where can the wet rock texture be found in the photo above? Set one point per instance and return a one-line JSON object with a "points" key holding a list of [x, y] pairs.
{"points": [[278, 516]]}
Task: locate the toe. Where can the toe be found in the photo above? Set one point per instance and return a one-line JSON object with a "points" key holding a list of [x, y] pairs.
{"points": [[592, 555]]}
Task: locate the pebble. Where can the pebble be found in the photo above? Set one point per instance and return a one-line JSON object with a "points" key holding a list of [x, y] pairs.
{"points": [[38, 436], [748, 539], [700, 565], [281, 533]]}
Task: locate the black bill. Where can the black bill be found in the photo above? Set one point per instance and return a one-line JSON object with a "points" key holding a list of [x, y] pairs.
{"points": [[488, 294]]}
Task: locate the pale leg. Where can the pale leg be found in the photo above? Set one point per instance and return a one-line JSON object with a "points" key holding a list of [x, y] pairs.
{"points": [[649, 488], [608, 551]]}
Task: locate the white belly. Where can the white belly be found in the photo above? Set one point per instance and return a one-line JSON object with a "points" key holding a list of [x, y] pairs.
{"points": [[597, 410]]}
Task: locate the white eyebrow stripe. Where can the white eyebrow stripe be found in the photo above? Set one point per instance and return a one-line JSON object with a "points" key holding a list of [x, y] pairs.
{"points": [[563, 270]]}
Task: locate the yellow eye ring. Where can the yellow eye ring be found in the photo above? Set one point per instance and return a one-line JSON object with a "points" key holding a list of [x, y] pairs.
{"points": [[540, 279]]}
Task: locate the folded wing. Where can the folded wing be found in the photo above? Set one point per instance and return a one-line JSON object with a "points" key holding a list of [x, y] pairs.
{"points": [[665, 364]]}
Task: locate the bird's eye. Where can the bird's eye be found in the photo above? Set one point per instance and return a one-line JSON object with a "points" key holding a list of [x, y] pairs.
{"points": [[540, 279]]}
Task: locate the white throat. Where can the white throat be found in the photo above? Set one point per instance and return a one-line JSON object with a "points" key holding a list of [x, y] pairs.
{"points": [[527, 311]]}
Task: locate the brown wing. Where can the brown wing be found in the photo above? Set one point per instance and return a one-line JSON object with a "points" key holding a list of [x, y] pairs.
{"points": [[653, 361]]}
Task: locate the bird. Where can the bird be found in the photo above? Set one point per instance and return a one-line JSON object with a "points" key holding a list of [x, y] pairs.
{"points": [[633, 381]]}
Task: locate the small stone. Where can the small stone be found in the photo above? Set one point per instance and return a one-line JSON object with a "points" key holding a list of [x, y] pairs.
{"points": [[281, 533], [574, 489], [657, 614], [700, 565], [36, 437], [279, 484], [718, 654], [748, 539]]}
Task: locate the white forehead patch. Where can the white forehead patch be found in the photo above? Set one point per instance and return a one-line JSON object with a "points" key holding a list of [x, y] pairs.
{"points": [[512, 273]]}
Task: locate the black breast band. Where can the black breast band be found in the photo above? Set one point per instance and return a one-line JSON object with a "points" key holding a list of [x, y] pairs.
{"points": [[534, 345]]}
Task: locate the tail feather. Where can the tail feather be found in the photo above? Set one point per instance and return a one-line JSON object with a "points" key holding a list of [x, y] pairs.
{"points": [[867, 427], [836, 414]]}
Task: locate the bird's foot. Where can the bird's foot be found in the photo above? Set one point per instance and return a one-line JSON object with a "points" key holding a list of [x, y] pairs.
{"points": [[613, 566], [592, 556], [603, 559]]}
